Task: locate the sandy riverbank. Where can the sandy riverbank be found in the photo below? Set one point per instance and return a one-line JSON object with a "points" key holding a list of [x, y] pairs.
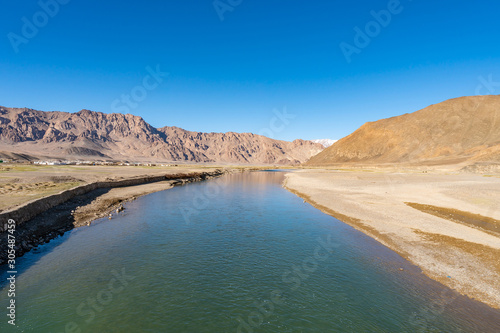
{"points": [[447, 224], [21, 183]]}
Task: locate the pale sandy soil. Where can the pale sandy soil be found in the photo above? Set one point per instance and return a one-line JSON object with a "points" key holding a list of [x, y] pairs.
{"points": [[456, 253]]}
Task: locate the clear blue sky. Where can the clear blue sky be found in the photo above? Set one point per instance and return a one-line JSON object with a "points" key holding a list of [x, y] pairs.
{"points": [[230, 74]]}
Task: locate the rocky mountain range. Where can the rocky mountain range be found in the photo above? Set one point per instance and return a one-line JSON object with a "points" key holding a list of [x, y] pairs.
{"points": [[125, 137], [460, 130]]}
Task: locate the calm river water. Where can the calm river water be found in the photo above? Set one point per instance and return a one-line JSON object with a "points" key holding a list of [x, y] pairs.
{"points": [[234, 254]]}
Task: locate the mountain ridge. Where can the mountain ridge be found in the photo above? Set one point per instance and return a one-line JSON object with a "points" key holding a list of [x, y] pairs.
{"points": [[459, 130], [128, 137]]}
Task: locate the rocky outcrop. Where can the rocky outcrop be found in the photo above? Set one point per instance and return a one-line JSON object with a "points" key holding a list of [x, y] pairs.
{"points": [[127, 137], [81, 151]]}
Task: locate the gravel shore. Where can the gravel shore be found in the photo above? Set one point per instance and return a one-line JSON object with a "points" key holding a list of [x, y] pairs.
{"points": [[455, 241]]}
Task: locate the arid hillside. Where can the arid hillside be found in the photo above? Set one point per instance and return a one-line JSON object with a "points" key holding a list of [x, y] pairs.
{"points": [[93, 135], [460, 130]]}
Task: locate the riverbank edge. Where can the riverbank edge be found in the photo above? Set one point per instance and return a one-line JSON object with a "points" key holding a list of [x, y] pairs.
{"points": [[382, 239], [29, 210], [23, 215]]}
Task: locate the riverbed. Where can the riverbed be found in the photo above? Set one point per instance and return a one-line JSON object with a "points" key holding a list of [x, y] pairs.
{"points": [[234, 254]]}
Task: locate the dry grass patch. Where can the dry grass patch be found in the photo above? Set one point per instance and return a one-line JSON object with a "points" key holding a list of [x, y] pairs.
{"points": [[484, 223], [14, 194]]}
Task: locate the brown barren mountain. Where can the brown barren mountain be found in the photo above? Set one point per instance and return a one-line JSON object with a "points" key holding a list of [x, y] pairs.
{"points": [[465, 129], [93, 135]]}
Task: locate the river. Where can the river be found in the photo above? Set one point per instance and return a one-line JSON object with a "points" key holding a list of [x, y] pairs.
{"points": [[234, 254]]}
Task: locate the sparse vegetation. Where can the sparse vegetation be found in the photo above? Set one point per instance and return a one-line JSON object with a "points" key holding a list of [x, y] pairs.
{"points": [[13, 194]]}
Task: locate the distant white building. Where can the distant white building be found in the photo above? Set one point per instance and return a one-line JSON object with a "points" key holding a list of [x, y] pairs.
{"points": [[49, 163]]}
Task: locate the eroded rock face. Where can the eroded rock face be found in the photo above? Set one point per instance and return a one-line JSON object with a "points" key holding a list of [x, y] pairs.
{"points": [[458, 130], [119, 136]]}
